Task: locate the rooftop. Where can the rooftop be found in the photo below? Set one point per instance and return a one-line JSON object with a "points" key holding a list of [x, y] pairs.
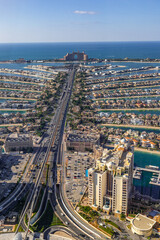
{"points": [[15, 137], [82, 137], [142, 222]]}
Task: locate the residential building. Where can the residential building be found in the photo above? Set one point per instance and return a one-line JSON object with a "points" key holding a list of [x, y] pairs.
{"points": [[82, 142], [18, 142], [142, 225], [112, 178], [97, 189]]}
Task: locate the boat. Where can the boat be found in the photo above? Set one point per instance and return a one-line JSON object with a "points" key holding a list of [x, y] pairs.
{"points": [[154, 179], [152, 167]]}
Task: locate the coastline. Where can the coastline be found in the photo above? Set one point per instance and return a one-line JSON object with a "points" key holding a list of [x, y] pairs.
{"points": [[130, 126], [145, 96], [31, 83], [138, 149], [20, 90], [110, 89], [39, 70], [23, 74], [10, 109], [128, 109], [10, 125], [140, 61], [55, 61], [16, 98], [127, 80], [146, 150]]}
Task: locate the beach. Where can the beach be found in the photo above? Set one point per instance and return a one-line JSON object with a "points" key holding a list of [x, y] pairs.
{"points": [[129, 126], [12, 124], [146, 150], [127, 109], [24, 74], [144, 96], [17, 98], [21, 90], [31, 83], [10, 109]]}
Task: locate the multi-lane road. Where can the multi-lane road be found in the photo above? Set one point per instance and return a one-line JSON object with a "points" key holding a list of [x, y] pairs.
{"points": [[51, 152], [58, 199]]}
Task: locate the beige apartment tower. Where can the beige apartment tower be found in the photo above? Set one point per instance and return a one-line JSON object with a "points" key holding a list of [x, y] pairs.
{"points": [[120, 194], [110, 182], [97, 187]]}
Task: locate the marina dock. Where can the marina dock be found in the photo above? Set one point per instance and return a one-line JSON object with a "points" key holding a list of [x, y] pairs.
{"points": [[155, 179]]}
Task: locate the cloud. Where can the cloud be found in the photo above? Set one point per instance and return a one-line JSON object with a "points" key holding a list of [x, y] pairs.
{"points": [[85, 12]]}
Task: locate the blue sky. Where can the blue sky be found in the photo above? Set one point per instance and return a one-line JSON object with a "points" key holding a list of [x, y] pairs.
{"points": [[79, 20]]}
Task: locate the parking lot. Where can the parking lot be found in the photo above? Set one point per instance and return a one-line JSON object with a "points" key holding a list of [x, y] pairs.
{"points": [[11, 169], [76, 174]]}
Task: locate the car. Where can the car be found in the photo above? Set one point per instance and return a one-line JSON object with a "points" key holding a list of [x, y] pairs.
{"points": [[66, 223], [62, 214]]}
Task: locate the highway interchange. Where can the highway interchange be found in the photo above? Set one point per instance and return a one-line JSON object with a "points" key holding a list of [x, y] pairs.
{"points": [[50, 152]]}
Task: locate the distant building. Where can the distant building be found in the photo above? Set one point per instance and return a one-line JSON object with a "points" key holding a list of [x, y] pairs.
{"points": [[20, 60], [76, 56], [82, 142], [18, 142], [142, 225]]}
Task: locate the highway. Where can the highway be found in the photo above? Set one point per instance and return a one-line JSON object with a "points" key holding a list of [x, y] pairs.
{"points": [[51, 152], [82, 228], [59, 228], [51, 141]]}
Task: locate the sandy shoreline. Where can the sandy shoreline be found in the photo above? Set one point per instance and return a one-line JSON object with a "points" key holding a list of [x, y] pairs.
{"points": [[135, 61], [128, 109], [23, 74], [138, 149], [16, 98], [110, 89], [32, 83], [10, 125], [145, 96], [40, 70], [125, 80], [21, 90], [54, 61], [10, 109], [146, 150], [130, 126]]}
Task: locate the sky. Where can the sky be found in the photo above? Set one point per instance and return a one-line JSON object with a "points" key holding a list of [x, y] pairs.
{"points": [[79, 20]]}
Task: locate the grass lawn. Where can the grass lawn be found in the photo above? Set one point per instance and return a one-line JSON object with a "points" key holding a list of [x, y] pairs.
{"points": [[112, 223], [38, 201], [107, 230], [20, 228], [132, 215], [48, 219]]}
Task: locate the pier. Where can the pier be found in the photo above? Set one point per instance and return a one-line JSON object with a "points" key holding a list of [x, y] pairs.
{"points": [[147, 170], [155, 179]]}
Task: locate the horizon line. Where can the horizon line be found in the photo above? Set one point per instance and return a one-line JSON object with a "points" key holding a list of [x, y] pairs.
{"points": [[83, 42]]}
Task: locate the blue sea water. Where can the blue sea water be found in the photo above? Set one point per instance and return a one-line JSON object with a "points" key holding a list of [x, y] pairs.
{"points": [[142, 159], [38, 51]]}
